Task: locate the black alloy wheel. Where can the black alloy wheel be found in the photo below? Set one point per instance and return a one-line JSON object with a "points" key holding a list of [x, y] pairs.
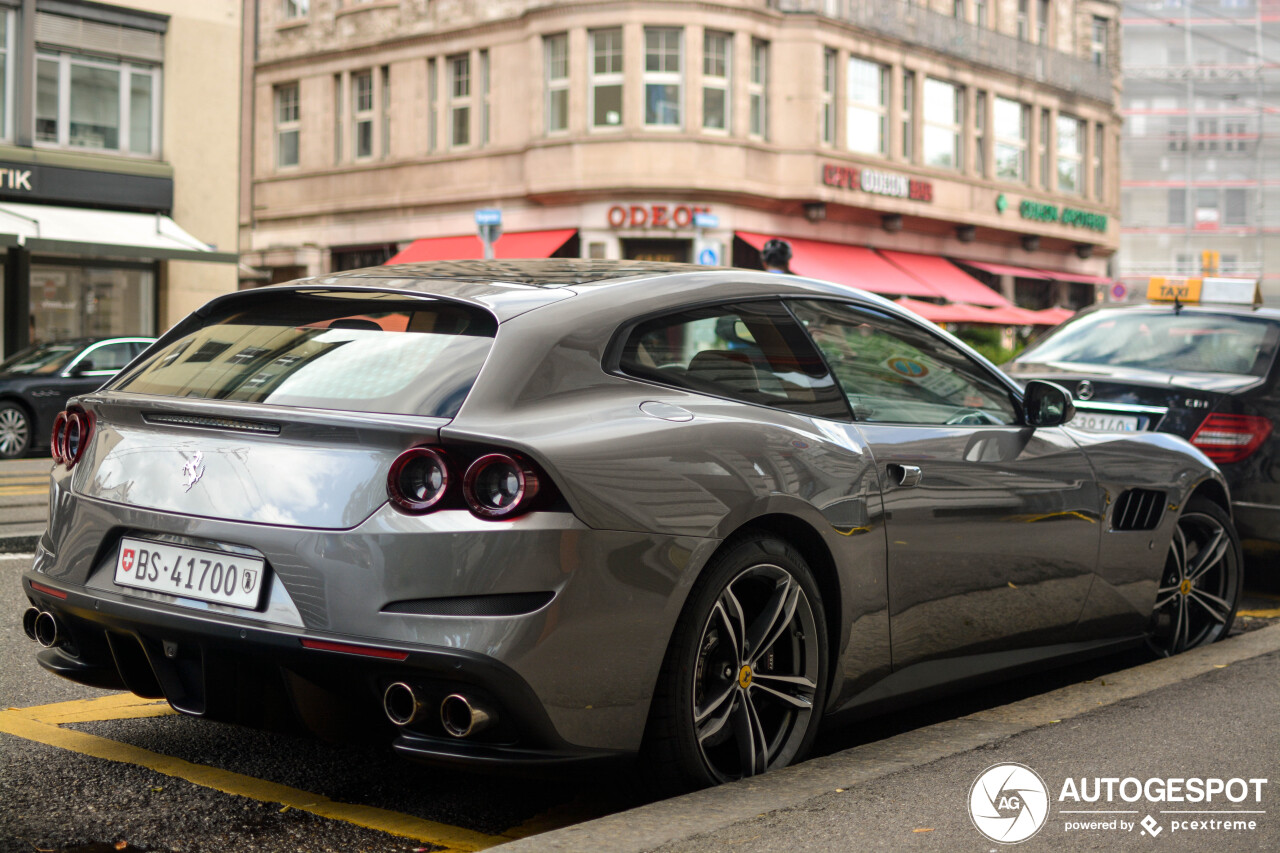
{"points": [[1200, 587], [744, 680], [15, 431]]}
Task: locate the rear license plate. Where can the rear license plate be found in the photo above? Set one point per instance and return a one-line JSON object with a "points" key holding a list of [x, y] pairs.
{"points": [[1105, 423], [214, 576]]}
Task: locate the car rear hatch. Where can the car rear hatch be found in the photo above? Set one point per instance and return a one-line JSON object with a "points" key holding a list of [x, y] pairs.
{"points": [[286, 410]]}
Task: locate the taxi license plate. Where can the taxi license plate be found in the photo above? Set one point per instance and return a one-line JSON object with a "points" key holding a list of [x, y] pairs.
{"points": [[215, 576], [1105, 423]]}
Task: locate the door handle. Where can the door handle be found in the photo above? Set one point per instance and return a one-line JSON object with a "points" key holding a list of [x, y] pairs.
{"points": [[904, 475]]}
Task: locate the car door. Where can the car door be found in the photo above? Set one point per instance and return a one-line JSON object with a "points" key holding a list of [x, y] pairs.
{"points": [[992, 526]]}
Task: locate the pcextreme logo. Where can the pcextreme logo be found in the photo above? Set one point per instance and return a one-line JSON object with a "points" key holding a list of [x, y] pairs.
{"points": [[1009, 803]]}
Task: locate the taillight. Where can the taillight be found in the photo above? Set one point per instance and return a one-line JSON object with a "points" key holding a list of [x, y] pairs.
{"points": [[500, 485], [57, 442], [1231, 438], [72, 430], [419, 479]]}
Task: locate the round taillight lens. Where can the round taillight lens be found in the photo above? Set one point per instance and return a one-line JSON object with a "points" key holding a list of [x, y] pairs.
{"points": [[57, 442], [77, 434], [419, 479], [499, 486]]}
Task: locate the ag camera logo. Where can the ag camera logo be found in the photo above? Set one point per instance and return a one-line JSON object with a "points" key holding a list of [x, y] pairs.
{"points": [[1008, 803]]}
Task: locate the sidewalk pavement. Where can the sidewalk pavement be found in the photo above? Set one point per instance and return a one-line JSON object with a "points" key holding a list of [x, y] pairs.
{"points": [[24, 502]]}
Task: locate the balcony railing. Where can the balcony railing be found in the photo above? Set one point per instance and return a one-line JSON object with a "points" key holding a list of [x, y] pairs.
{"points": [[974, 44]]}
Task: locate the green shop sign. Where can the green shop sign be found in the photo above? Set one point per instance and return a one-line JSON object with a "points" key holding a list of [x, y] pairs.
{"points": [[1041, 212]]}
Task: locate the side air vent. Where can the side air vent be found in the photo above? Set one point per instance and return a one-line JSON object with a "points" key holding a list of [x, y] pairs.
{"points": [[204, 422], [1138, 509]]}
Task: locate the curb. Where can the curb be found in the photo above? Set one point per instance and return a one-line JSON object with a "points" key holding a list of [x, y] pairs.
{"points": [[20, 544], [713, 809]]}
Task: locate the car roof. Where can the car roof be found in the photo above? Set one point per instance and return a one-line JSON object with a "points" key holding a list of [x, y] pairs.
{"points": [[1267, 312]]}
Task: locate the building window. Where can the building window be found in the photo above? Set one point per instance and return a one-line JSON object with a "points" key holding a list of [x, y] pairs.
{"points": [[1011, 119], [1234, 207], [294, 9], [606, 78], [1207, 213], [1177, 209], [337, 118], [717, 72], [286, 125], [957, 9], [758, 89], [1045, 163], [556, 56], [1207, 134], [459, 100], [1099, 155], [484, 97], [385, 106], [98, 104], [943, 117], [1024, 19], [829, 59], [1070, 155], [433, 105], [908, 115], [1235, 133], [362, 113], [1042, 22], [663, 77], [980, 133], [6, 73], [866, 118], [1098, 41], [980, 12]]}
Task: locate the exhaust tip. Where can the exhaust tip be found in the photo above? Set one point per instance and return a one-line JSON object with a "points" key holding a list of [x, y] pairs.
{"points": [[401, 705], [463, 718], [46, 630], [29, 622]]}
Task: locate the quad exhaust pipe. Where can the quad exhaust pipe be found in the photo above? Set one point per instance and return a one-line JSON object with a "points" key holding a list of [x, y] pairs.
{"points": [[42, 626], [460, 716]]}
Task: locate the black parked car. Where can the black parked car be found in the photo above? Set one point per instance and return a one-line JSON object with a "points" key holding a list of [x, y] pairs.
{"points": [[1204, 372], [36, 383]]}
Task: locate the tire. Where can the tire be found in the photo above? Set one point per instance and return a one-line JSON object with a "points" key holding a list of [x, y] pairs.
{"points": [[1200, 586], [15, 431], [723, 710]]}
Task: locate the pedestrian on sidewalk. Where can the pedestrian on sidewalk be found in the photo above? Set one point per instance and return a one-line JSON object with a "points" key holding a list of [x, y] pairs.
{"points": [[776, 256]]}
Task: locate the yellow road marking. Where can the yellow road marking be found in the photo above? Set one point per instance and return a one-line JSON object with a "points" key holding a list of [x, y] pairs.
{"points": [[117, 706], [1260, 614], [29, 724], [14, 491]]}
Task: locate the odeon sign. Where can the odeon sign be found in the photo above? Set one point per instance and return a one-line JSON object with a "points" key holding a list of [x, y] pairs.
{"points": [[876, 182]]}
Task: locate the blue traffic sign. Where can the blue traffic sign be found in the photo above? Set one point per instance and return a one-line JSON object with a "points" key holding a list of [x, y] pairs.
{"points": [[706, 220], [708, 257], [488, 216]]}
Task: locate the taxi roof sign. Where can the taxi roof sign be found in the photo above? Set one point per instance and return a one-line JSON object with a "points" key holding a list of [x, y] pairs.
{"points": [[1210, 289]]}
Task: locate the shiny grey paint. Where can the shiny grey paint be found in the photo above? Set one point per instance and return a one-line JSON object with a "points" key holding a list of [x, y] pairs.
{"points": [[1003, 553]]}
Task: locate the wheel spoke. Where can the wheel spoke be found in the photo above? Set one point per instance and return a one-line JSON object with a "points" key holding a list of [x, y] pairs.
{"points": [[716, 723], [1164, 595], [1210, 556], [700, 714], [730, 630], [735, 620], [1181, 607], [773, 620], [753, 748], [1217, 607], [1179, 551], [794, 690]]}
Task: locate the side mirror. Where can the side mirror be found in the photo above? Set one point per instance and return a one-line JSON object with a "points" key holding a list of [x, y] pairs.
{"points": [[1046, 404], [83, 367]]}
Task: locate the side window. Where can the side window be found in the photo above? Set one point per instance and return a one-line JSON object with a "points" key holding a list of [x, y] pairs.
{"points": [[894, 372], [752, 352], [110, 357]]}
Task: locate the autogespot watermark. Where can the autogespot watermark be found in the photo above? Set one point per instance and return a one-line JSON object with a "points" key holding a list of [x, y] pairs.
{"points": [[1009, 803]]}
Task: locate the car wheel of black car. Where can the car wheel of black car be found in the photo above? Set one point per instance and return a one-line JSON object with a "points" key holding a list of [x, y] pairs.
{"points": [[745, 676], [1200, 588], [15, 431]]}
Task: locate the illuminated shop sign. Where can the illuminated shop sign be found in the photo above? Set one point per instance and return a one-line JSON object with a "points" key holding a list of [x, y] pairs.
{"points": [[654, 215], [1038, 211], [876, 182]]}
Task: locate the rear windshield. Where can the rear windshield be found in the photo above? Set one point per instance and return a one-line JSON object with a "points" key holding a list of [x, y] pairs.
{"points": [[334, 350], [1189, 342]]}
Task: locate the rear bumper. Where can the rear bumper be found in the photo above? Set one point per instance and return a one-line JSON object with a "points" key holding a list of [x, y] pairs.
{"points": [[267, 678]]}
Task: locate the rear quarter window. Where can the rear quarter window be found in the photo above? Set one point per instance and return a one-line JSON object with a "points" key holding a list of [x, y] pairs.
{"points": [[327, 351]]}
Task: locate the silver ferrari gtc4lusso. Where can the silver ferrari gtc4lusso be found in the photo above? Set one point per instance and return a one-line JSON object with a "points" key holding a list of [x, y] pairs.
{"points": [[544, 511]]}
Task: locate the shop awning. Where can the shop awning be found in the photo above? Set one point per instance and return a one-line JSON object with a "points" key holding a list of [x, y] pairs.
{"points": [[520, 244], [73, 230], [945, 277], [1004, 315], [1006, 269], [855, 266]]}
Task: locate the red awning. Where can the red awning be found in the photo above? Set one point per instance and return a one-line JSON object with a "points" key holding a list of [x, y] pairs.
{"points": [[1005, 315], [1006, 269], [520, 244], [856, 266], [1075, 276], [1054, 316], [945, 277]]}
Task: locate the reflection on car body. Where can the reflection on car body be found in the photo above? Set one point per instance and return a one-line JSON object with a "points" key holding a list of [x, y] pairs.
{"points": [[562, 510]]}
